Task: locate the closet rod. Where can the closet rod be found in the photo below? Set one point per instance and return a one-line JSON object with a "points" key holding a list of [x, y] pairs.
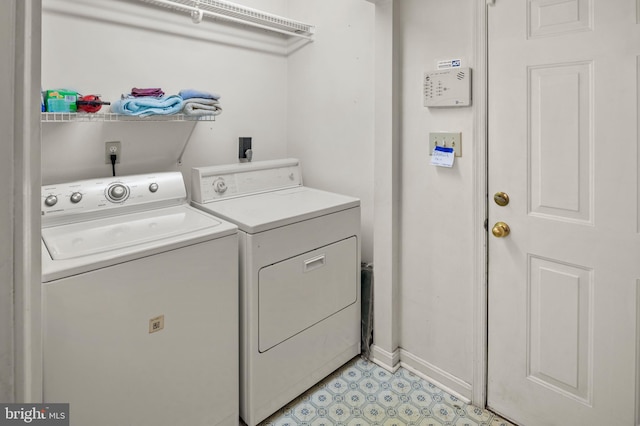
{"points": [[205, 12]]}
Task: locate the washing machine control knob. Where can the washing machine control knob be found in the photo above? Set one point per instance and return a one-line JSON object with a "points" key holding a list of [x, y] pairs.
{"points": [[76, 197], [153, 187], [117, 192], [51, 201], [220, 186]]}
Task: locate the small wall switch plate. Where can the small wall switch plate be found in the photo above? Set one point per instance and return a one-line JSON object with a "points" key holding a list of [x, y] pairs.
{"points": [[447, 140]]}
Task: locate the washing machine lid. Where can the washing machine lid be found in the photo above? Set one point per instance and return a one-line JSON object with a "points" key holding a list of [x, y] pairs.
{"points": [[78, 247], [119, 232], [261, 212]]}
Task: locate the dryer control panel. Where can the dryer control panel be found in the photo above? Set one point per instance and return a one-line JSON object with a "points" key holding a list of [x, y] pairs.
{"points": [[88, 199], [227, 181]]}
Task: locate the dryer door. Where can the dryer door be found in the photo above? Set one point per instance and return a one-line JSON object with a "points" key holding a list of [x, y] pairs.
{"points": [[299, 292]]}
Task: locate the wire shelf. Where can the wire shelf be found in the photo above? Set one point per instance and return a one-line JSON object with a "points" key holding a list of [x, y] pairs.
{"points": [[51, 117], [233, 12]]}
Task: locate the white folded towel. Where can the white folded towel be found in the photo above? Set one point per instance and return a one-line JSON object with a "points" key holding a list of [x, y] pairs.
{"points": [[201, 106]]}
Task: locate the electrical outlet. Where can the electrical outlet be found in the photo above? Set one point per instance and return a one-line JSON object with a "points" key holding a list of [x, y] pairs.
{"points": [[448, 140], [114, 147], [244, 145]]}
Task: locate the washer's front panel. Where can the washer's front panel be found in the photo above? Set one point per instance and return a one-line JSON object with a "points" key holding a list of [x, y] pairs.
{"points": [[150, 341]]}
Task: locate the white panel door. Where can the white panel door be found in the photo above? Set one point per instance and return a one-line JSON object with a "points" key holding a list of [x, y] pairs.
{"points": [[563, 145]]}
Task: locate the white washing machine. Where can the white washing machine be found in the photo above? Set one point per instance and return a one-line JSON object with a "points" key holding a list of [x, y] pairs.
{"points": [[299, 274], [140, 294]]}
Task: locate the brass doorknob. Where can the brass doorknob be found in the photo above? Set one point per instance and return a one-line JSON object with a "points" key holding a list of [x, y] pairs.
{"points": [[500, 230]]}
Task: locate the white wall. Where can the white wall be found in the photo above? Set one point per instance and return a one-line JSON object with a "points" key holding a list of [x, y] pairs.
{"points": [[437, 233], [7, 44], [330, 102], [316, 103], [106, 48]]}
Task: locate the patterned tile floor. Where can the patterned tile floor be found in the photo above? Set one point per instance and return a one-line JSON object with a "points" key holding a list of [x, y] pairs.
{"points": [[362, 393]]}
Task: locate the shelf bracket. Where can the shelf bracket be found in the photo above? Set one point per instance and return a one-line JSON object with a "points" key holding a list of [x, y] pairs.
{"points": [[186, 142]]}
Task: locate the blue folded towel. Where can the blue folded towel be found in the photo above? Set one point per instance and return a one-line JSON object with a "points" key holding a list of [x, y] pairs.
{"points": [[192, 93], [145, 106]]}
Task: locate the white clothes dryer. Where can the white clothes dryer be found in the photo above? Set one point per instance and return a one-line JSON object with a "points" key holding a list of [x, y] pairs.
{"points": [[299, 277], [140, 294]]}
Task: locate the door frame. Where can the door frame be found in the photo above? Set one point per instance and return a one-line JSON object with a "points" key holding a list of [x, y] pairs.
{"points": [[27, 280], [481, 200]]}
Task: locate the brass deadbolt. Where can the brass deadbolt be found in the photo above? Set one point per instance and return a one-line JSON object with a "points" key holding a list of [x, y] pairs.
{"points": [[501, 198]]}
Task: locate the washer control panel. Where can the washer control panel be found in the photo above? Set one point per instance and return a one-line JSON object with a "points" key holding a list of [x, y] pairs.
{"points": [[105, 196], [227, 181]]}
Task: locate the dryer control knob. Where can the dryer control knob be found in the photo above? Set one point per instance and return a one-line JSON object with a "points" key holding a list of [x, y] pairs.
{"points": [[153, 187], [51, 201], [220, 186], [76, 197]]}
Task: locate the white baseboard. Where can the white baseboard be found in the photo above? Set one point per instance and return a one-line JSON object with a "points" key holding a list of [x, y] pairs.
{"points": [[445, 381], [390, 361]]}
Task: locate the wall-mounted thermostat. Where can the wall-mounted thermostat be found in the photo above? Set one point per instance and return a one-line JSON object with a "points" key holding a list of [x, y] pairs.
{"points": [[447, 88]]}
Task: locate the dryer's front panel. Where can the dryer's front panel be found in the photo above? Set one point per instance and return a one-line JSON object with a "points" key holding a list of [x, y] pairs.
{"points": [[297, 293], [311, 346]]}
